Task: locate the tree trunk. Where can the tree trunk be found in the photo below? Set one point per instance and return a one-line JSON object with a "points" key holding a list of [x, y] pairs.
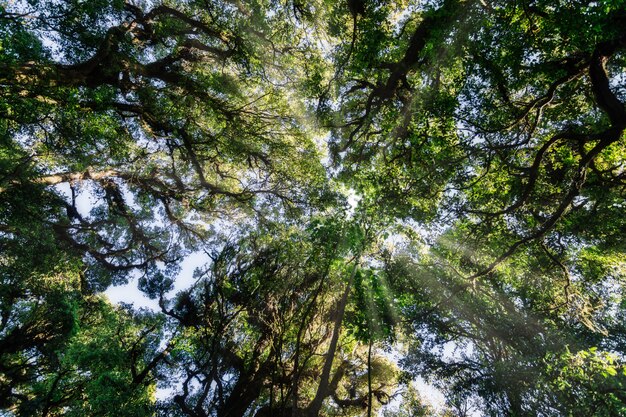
{"points": [[314, 408], [369, 375]]}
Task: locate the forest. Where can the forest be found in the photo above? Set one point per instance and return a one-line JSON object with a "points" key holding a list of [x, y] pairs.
{"points": [[396, 208]]}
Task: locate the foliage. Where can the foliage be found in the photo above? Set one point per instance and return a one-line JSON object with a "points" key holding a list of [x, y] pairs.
{"points": [[382, 190]]}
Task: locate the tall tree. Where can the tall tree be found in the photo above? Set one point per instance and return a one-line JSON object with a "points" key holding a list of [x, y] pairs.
{"points": [[495, 134]]}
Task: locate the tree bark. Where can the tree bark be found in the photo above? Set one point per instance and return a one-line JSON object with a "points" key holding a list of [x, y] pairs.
{"points": [[369, 375], [323, 390]]}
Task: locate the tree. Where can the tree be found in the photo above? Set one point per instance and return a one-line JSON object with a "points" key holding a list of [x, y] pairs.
{"points": [[444, 180], [495, 124], [169, 118]]}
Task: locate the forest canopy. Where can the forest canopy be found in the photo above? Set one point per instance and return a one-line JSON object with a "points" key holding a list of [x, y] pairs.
{"points": [[388, 195]]}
